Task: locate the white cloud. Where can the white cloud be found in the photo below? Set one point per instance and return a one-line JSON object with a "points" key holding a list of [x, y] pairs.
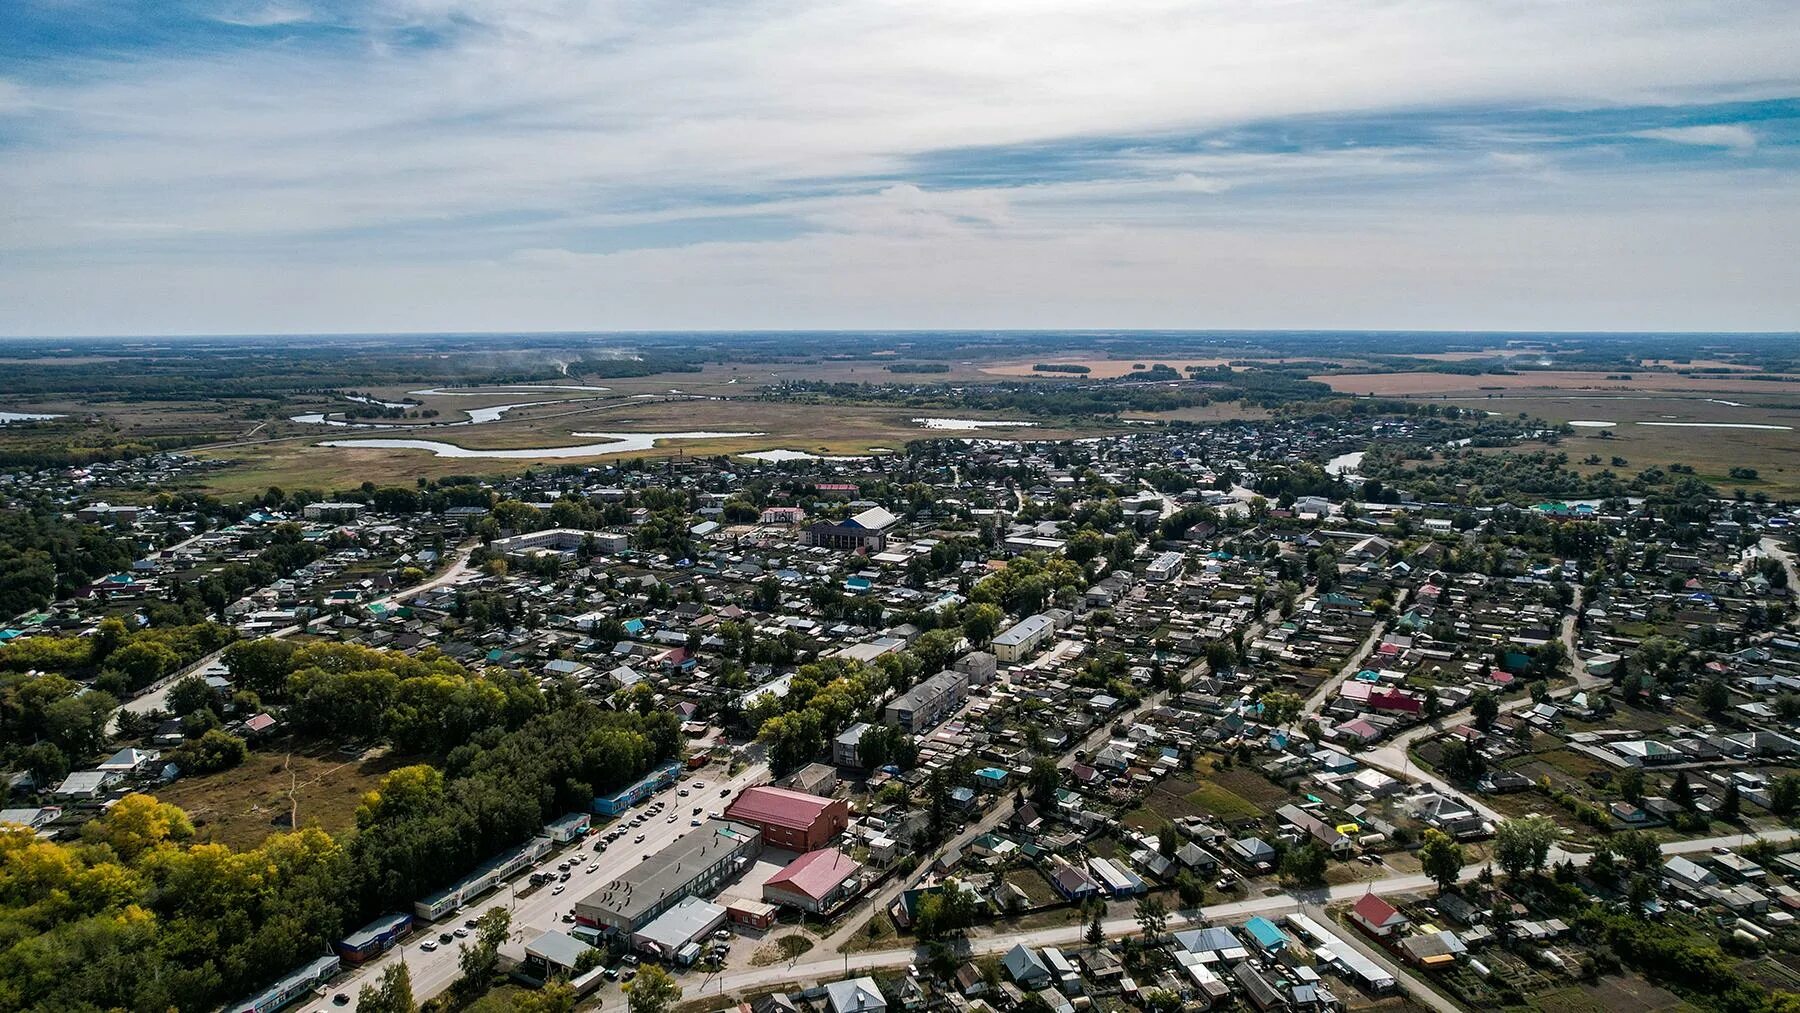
{"points": [[1735, 136], [529, 120]]}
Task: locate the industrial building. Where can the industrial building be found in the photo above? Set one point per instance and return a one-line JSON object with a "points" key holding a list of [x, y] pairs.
{"points": [[694, 865], [928, 703], [790, 819]]}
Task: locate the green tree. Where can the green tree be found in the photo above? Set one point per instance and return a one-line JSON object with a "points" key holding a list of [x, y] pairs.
{"points": [[1152, 918], [1304, 864], [391, 993], [654, 991], [1280, 707], [1441, 858], [191, 693], [1190, 889], [1714, 696], [1484, 708], [1043, 780], [1523, 845], [479, 962]]}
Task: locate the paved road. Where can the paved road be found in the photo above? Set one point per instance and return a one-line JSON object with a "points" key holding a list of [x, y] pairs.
{"points": [[1394, 756], [1327, 689], [534, 913], [834, 968], [1403, 977]]}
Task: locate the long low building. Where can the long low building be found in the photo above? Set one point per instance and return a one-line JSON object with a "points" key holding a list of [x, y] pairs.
{"points": [[649, 784], [373, 939], [291, 988], [696, 864], [790, 819], [483, 879]]}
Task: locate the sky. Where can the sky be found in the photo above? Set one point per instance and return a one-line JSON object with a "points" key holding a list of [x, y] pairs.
{"points": [[304, 166]]}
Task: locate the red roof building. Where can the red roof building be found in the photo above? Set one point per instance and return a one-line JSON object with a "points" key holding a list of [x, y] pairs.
{"points": [[815, 882], [790, 819], [1377, 916]]}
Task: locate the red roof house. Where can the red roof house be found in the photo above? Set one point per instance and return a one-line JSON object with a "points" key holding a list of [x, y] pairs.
{"points": [[1377, 916]]}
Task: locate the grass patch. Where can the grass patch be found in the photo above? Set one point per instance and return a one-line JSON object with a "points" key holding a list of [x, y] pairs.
{"points": [[1223, 802], [242, 806], [1037, 889], [788, 947], [875, 934]]}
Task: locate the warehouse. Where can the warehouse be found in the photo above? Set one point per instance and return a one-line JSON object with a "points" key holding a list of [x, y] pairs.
{"points": [[677, 933], [790, 819], [816, 882], [696, 864]]}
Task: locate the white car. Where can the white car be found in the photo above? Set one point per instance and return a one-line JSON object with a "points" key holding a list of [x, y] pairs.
{"points": [[428, 945], [558, 888]]}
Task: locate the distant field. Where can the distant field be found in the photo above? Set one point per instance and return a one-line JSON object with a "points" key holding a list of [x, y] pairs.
{"points": [[1405, 384], [240, 807], [1774, 453], [298, 461], [1099, 368]]}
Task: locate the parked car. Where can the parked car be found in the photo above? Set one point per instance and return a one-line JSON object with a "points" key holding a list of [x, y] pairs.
{"points": [[559, 888], [428, 945], [446, 938]]}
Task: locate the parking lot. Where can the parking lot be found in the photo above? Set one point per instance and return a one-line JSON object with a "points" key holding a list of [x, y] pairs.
{"points": [[535, 911]]}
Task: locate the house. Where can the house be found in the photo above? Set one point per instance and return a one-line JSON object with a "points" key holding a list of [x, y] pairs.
{"points": [[1377, 917], [1327, 835], [857, 995], [1267, 936], [85, 785], [1024, 966], [1252, 853], [1685, 874]]}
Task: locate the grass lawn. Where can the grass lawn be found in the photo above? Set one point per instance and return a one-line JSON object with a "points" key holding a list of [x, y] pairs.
{"points": [[875, 934], [1223, 802], [1035, 886], [242, 806]]}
